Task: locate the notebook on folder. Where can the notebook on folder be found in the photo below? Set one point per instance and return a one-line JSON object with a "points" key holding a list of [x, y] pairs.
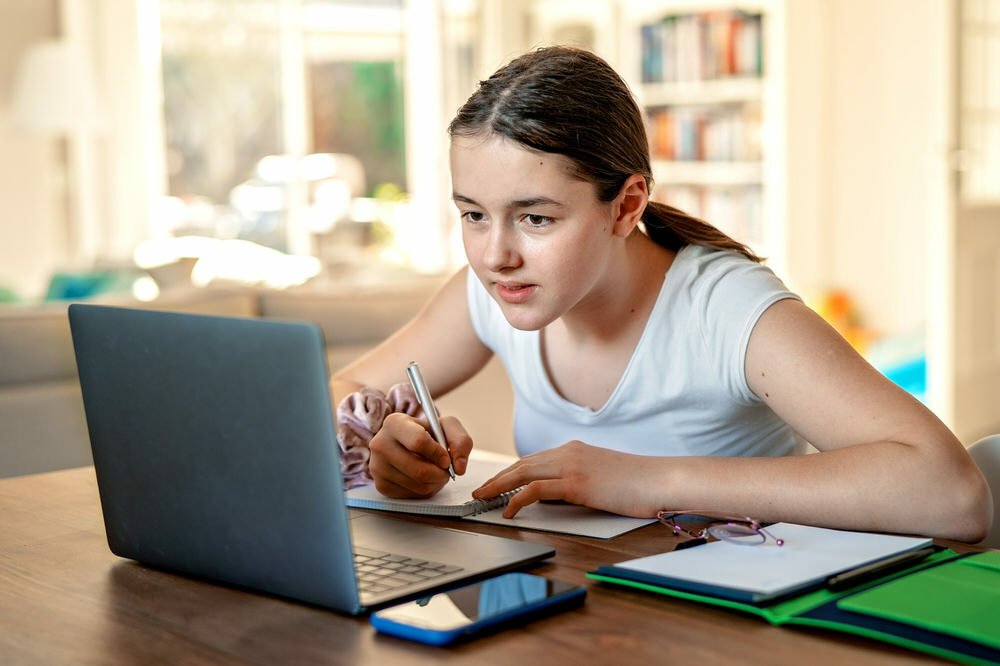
{"points": [[810, 556], [945, 603], [215, 453]]}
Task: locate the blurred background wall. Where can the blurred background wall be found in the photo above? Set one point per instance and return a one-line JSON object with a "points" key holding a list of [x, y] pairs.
{"points": [[867, 167]]}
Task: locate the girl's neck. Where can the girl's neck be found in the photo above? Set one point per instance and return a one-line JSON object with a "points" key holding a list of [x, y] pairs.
{"points": [[624, 299]]}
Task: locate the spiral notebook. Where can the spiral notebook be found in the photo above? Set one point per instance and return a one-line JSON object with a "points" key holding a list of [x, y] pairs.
{"points": [[455, 501]]}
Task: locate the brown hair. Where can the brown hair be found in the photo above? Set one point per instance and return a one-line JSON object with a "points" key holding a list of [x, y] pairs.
{"points": [[569, 101]]}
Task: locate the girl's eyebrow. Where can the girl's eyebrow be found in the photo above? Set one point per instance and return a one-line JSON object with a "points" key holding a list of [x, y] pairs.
{"points": [[529, 202], [455, 196]]}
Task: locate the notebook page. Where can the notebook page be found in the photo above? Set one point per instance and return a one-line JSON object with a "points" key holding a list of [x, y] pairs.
{"points": [[455, 499], [566, 519]]}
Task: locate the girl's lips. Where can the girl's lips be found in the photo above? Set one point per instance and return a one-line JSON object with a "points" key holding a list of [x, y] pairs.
{"points": [[515, 293]]}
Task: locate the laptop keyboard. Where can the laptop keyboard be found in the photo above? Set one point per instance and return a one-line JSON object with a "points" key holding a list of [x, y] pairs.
{"points": [[378, 571]]}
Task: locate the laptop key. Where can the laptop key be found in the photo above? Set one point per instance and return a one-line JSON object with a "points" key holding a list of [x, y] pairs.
{"points": [[434, 565], [392, 582], [380, 572], [395, 558], [428, 573]]}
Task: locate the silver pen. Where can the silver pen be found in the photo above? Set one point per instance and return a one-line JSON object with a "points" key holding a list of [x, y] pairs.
{"points": [[424, 398]]}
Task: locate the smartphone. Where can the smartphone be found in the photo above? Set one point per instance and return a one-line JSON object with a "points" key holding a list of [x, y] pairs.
{"points": [[480, 608]]}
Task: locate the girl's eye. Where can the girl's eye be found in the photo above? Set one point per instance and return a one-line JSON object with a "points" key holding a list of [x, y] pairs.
{"points": [[472, 216], [537, 220]]}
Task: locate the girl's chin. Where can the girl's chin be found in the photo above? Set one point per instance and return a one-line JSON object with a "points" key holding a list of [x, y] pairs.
{"points": [[523, 321]]}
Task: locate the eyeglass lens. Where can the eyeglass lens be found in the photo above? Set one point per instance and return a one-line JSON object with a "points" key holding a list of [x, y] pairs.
{"points": [[727, 531], [736, 533]]}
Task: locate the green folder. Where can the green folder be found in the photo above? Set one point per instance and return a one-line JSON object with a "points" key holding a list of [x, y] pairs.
{"points": [[959, 598], [947, 605]]}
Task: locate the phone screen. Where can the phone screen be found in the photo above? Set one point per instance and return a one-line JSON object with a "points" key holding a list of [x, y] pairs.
{"points": [[454, 609]]}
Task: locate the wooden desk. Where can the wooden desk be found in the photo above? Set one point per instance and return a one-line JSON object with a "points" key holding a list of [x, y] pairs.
{"points": [[65, 599]]}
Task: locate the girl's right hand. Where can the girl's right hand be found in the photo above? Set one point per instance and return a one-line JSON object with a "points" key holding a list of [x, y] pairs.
{"points": [[407, 462]]}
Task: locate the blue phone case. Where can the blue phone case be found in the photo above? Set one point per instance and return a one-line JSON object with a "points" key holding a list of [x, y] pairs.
{"points": [[569, 598]]}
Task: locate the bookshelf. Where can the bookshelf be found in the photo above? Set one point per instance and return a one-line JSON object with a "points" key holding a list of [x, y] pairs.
{"points": [[702, 73]]}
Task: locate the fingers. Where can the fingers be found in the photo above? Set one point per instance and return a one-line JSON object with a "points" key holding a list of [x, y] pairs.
{"points": [[548, 489], [405, 460], [415, 436], [518, 474], [579, 474], [537, 478], [459, 443]]}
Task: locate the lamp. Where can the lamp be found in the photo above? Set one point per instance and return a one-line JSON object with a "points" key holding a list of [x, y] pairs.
{"points": [[55, 93]]}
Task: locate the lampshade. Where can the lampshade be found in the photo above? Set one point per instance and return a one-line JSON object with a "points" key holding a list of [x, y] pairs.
{"points": [[54, 91]]}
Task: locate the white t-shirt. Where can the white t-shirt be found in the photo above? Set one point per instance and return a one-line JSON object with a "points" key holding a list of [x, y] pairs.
{"points": [[684, 391]]}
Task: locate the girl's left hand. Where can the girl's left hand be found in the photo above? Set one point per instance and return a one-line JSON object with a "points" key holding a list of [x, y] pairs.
{"points": [[579, 473]]}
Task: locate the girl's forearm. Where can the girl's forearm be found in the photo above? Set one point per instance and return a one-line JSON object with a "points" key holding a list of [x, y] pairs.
{"points": [[882, 486]]}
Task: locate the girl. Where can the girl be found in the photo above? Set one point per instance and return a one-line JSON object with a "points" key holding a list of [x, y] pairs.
{"points": [[656, 363]]}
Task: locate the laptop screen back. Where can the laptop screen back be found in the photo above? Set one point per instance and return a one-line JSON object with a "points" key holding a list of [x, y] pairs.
{"points": [[192, 422]]}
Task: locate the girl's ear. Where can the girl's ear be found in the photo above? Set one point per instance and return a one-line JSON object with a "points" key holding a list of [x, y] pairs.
{"points": [[630, 205]]}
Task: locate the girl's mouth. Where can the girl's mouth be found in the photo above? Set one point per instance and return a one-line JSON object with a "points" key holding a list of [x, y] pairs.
{"points": [[515, 293]]}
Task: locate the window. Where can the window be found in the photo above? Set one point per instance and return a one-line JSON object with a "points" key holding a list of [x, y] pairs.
{"points": [[284, 123]]}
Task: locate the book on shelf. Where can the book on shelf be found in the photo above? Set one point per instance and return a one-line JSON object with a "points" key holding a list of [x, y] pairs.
{"points": [[701, 46], [713, 133]]}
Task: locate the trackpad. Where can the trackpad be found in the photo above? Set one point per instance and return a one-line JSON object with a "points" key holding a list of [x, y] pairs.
{"points": [[439, 544]]}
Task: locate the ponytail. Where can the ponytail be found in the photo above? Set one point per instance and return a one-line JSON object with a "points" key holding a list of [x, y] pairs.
{"points": [[673, 229]]}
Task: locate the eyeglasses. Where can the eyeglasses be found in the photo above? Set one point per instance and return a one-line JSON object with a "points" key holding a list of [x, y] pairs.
{"points": [[735, 529]]}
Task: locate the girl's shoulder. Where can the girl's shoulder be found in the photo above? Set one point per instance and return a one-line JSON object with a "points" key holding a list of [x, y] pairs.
{"points": [[704, 274]]}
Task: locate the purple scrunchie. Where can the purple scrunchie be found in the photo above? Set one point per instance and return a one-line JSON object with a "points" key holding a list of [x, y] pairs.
{"points": [[359, 417]]}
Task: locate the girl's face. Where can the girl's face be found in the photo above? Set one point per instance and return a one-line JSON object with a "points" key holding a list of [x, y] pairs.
{"points": [[536, 236]]}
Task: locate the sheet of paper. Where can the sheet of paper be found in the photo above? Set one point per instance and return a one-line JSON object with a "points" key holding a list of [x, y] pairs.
{"points": [[565, 518], [454, 493], [810, 555]]}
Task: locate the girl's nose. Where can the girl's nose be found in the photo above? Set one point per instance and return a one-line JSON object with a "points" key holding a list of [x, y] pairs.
{"points": [[500, 251]]}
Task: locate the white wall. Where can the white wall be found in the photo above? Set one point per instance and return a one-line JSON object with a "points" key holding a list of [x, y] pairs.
{"points": [[119, 171], [806, 88], [886, 109], [32, 216]]}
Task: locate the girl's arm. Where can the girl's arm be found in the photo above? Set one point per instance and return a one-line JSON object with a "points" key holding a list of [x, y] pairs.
{"points": [[886, 463], [440, 338], [405, 459]]}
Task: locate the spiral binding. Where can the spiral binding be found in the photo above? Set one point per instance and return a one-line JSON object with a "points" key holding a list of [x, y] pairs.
{"points": [[482, 505]]}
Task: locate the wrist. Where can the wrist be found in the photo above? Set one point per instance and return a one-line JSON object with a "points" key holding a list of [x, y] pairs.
{"points": [[359, 417], [667, 483]]}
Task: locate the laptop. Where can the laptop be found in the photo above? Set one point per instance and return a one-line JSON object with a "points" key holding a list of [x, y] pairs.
{"points": [[216, 457]]}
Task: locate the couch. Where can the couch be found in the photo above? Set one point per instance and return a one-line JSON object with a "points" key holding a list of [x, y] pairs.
{"points": [[42, 422]]}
